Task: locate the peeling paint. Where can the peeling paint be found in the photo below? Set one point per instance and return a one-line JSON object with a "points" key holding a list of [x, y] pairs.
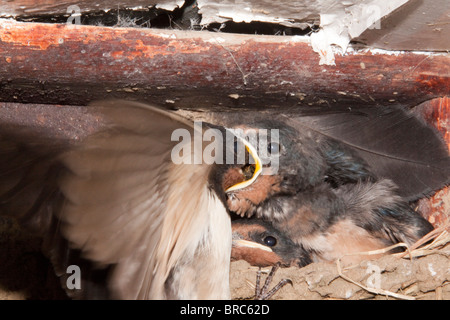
{"points": [[341, 24], [41, 37]]}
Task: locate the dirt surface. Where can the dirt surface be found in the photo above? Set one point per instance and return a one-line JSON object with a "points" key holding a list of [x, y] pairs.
{"points": [[26, 274], [427, 277]]}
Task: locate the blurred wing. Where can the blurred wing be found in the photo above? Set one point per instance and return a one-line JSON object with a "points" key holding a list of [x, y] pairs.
{"points": [[120, 205], [27, 173], [110, 205], [29, 170]]}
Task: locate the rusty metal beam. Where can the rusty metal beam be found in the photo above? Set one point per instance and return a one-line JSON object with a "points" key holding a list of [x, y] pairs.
{"points": [[72, 64]]}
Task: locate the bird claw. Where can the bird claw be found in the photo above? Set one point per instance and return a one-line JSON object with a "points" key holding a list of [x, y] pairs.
{"points": [[262, 293]]}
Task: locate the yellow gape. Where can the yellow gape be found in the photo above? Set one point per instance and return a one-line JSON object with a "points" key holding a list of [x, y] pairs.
{"points": [[258, 167]]}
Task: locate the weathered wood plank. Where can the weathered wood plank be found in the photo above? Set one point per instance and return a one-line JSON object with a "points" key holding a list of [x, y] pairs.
{"points": [[53, 63]]}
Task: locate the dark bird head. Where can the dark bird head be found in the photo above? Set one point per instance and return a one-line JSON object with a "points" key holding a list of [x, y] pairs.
{"points": [[290, 162], [260, 244], [342, 146], [293, 161], [237, 164]]}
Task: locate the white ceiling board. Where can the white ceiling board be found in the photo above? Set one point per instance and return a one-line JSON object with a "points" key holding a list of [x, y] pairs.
{"points": [[420, 25], [289, 13], [340, 21], [339, 25]]}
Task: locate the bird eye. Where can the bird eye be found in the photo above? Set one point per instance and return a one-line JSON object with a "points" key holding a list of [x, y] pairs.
{"points": [[273, 148], [270, 241]]}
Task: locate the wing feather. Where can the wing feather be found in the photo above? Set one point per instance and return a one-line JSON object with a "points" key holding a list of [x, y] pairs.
{"points": [[396, 144], [119, 207], [115, 202]]}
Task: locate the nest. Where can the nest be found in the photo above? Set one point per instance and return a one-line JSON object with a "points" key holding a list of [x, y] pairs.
{"points": [[422, 271]]}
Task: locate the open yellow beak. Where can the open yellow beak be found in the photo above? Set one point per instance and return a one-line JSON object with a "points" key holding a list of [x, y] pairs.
{"points": [[258, 167]]}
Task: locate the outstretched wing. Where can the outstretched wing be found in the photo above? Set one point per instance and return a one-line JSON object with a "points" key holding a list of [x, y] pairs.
{"points": [[106, 204]]}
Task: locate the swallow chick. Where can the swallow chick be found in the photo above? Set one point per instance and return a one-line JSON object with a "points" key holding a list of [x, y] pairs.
{"points": [[130, 205], [330, 224], [342, 146], [260, 244]]}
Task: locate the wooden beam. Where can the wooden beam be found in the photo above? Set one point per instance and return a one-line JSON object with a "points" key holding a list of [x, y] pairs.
{"points": [[72, 64]]}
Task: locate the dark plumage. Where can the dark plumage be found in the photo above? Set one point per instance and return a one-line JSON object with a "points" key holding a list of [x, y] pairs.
{"points": [[346, 146]]}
